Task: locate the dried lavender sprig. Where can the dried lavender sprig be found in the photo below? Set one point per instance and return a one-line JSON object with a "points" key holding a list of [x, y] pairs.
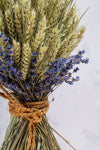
{"points": [[59, 72]]}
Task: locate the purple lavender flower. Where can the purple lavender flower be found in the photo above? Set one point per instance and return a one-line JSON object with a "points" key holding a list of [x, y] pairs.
{"points": [[1, 34], [6, 39]]}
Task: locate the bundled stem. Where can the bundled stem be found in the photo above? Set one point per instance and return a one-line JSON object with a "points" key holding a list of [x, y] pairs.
{"points": [[17, 135]]}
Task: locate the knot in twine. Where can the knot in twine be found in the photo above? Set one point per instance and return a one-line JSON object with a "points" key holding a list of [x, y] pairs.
{"points": [[32, 111]]}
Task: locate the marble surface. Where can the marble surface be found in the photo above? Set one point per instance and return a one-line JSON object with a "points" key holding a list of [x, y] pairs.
{"points": [[75, 113]]}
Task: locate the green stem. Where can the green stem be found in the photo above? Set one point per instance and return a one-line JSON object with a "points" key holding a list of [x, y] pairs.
{"points": [[17, 134]]}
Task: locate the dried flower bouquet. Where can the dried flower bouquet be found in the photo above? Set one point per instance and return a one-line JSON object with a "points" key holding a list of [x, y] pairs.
{"points": [[36, 40]]}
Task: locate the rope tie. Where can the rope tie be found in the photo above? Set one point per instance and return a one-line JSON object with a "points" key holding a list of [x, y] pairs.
{"points": [[32, 111]]}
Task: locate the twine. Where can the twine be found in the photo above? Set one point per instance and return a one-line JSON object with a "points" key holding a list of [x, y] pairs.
{"points": [[32, 111]]}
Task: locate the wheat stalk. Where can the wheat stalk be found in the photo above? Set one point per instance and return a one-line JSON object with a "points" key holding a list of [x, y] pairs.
{"points": [[1, 22], [10, 24], [29, 29], [25, 59], [17, 52], [18, 21], [40, 33]]}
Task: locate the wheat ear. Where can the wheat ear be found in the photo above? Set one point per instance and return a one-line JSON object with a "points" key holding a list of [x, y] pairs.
{"points": [[25, 59]]}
